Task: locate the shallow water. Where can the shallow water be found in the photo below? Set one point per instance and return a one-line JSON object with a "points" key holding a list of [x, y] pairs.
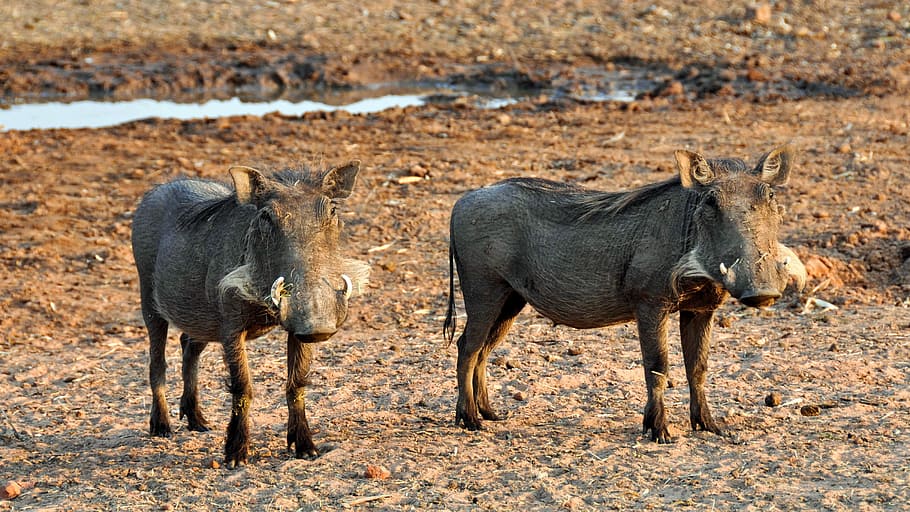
{"points": [[97, 114]]}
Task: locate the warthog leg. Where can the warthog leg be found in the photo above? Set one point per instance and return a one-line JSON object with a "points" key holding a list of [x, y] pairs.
{"points": [[159, 423], [695, 333], [652, 335], [299, 357], [237, 445], [189, 401], [501, 327], [487, 323]]}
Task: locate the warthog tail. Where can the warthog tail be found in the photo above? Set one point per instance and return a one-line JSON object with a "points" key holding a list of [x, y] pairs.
{"points": [[448, 328]]}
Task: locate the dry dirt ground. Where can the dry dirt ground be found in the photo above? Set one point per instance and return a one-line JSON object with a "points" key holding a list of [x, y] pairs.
{"points": [[828, 77]]}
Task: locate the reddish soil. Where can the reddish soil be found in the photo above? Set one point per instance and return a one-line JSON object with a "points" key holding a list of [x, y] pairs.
{"points": [[830, 79]]}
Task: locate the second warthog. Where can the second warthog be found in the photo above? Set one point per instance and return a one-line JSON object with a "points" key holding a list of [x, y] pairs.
{"points": [[589, 259], [227, 265]]}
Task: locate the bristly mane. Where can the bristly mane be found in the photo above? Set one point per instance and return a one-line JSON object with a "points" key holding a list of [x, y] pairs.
{"points": [[206, 210], [580, 204]]}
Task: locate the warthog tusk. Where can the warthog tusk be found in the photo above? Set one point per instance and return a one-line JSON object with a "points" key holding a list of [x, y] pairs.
{"points": [[348, 286], [277, 290], [723, 269]]}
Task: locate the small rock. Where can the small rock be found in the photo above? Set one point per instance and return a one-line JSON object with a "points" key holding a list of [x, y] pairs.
{"points": [[834, 348], [521, 396], [674, 88], [773, 399], [10, 490], [215, 464], [894, 16], [418, 170], [575, 351], [810, 410], [573, 503], [511, 365], [504, 119], [844, 148], [754, 75], [376, 472], [759, 13]]}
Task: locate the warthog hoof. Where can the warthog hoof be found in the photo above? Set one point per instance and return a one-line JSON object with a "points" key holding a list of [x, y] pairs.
{"points": [[158, 429], [470, 422]]}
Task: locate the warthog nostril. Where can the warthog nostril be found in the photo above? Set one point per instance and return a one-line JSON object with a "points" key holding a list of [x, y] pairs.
{"points": [[760, 299]]}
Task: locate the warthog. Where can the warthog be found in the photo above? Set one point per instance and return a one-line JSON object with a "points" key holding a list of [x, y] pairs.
{"points": [[588, 259], [229, 265]]}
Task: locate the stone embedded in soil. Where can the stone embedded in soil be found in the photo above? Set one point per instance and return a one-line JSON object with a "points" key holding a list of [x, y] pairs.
{"points": [[759, 13], [376, 472], [575, 351], [773, 399], [10, 490], [810, 410]]}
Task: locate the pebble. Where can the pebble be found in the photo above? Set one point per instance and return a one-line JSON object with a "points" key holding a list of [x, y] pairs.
{"points": [[810, 410], [759, 13], [10, 490], [773, 399], [674, 88], [376, 472]]}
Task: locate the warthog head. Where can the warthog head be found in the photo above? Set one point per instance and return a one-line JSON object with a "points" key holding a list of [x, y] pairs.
{"points": [[735, 225], [292, 259]]}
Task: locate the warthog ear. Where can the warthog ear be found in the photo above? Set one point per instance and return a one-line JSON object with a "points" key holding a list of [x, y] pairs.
{"points": [[338, 182], [774, 167], [248, 182], [693, 168]]}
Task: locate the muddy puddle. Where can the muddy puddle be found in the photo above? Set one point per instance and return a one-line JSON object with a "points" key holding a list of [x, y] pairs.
{"points": [[102, 111]]}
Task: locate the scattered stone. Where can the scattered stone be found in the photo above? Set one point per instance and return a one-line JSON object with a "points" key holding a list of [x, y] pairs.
{"points": [[674, 88], [894, 16], [376, 472], [844, 148], [573, 503], [419, 171], [10, 490], [810, 410], [754, 75], [511, 365], [773, 399], [521, 396], [759, 13], [215, 464], [575, 351]]}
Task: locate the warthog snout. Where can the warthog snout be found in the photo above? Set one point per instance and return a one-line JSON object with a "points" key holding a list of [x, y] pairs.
{"points": [[317, 334], [760, 298]]}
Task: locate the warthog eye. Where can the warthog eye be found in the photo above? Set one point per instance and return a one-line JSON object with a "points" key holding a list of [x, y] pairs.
{"points": [[711, 200], [766, 192]]}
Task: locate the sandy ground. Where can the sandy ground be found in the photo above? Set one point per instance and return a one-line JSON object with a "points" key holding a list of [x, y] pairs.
{"points": [[74, 409]]}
